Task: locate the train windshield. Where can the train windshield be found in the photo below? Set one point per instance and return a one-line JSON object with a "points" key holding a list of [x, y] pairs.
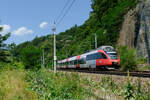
{"points": [[113, 55], [109, 49]]}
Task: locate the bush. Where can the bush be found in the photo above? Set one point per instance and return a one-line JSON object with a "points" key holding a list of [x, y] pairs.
{"points": [[5, 56], [2, 64], [142, 60], [129, 91], [128, 58], [15, 65], [144, 68], [108, 83], [56, 87], [11, 66], [31, 57]]}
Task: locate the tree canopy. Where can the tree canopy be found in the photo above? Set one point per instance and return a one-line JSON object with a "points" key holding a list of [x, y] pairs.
{"points": [[105, 20], [5, 55], [3, 38]]}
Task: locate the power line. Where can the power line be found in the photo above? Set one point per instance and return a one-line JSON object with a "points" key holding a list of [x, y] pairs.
{"points": [[63, 9], [66, 12]]}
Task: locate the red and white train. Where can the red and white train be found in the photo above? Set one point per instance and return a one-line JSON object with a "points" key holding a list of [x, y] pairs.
{"points": [[105, 56]]}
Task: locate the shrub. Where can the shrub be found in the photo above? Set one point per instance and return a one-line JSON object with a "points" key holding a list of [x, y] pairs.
{"points": [[147, 67], [128, 58], [142, 60], [15, 65], [18, 65], [129, 89], [108, 83], [2, 64], [31, 57], [56, 87], [11, 66]]}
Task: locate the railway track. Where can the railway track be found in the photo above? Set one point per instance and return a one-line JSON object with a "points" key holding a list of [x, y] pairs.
{"points": [[143, 74]]}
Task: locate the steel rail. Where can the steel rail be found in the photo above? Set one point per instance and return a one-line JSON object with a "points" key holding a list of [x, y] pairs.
{"points": [[143, 74]]}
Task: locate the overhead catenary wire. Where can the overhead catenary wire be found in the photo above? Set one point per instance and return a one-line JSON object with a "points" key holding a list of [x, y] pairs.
{"points": [[54, 29], [63, 9], [57, 23]]}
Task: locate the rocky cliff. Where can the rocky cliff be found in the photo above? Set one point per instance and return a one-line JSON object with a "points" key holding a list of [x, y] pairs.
{"points": [[135, 31]]}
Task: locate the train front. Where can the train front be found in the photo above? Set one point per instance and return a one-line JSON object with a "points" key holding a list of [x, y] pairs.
{"points": [[113, 56], [114, 59]]}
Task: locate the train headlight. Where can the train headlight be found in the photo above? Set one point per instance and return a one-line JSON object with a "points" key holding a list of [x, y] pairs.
{"points": [[100, 61]]}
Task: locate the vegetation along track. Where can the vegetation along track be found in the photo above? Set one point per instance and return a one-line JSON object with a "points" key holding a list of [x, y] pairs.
{"points": [[144, 74]]}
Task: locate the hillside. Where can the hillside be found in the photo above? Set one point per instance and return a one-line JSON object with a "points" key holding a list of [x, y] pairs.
{"points": [[105, 20]]}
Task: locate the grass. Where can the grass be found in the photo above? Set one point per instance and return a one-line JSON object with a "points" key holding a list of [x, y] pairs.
{"points": [[18, 84], [145, 67], [14, 87], [21, 84], [108, 88], [57, 87]]}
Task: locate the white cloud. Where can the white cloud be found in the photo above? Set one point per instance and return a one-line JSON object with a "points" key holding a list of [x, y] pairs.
{"points": [[6, 29], [43, 25], [22, 31]]}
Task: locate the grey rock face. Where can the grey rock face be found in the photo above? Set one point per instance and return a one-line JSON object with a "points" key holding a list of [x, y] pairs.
{"points": [[135, 31], [143, 36], [127, 32]]}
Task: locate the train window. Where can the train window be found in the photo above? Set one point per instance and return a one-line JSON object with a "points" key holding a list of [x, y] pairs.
{"points": [[99, 55], [91, 57], [104, 56], [96, 56], [113, 55], [88, 57], [81, 61], [67, 63], [72, 62], [75, 62]]}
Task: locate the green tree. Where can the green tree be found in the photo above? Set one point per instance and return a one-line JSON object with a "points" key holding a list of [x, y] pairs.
{"points": [[31, 57], [3, 38], [5, 55], [128, 58]]}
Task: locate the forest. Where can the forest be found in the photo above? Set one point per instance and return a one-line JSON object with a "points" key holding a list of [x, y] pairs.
{"points": [[105, 20]]}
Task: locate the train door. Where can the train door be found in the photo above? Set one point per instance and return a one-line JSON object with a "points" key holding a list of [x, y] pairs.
{"points": [[77, 62], [67, 63], [82, 62], [91, 61]]}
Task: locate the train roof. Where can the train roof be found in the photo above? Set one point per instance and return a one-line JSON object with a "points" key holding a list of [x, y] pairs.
{"points": [[72, 58], [79, 56], [107, 49]]}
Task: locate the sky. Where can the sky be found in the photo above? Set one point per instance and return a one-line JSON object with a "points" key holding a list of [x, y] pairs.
{"points": [[26, 19]]}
